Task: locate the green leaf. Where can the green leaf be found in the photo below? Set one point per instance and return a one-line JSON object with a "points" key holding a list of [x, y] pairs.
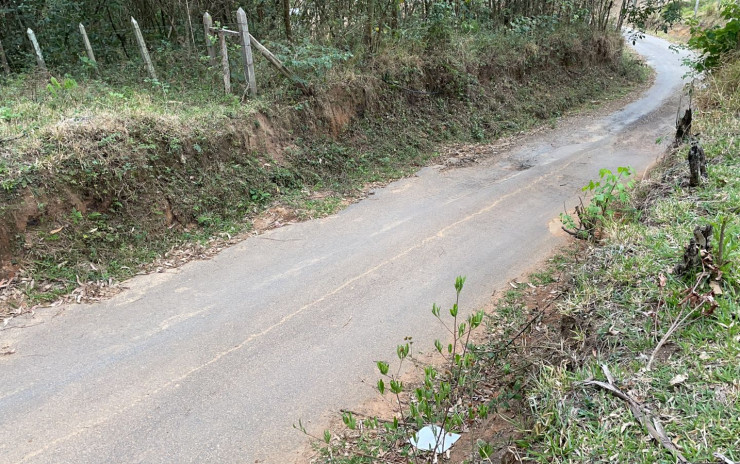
{"points": [[381, 386], [349, 420], [402, 351], [396, 386], [382, 367], [459, 282]]}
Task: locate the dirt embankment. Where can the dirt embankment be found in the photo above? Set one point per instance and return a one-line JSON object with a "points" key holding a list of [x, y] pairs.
{"points": [[102, 195]]}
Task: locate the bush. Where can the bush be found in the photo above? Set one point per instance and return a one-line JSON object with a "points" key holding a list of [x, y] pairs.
{"points": [[716, 42]]}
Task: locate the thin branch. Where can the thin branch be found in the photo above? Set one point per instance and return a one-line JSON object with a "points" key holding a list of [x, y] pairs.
{"points": [[10, 139], [676, 324], [650, 423], [724, 458], [721, 248]]}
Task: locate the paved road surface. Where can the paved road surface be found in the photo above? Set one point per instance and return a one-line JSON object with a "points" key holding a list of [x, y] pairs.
{"points": [[215, 361]]}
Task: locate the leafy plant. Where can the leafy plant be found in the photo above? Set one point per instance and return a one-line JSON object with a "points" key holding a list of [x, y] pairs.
{"points": [[57, 88], [590, 218], [7, 114], [441, 398], [716, 41], [309, 59], [259, 196]]}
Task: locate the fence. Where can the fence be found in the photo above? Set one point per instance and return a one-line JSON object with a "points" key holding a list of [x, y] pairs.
{"points": [[212, 34]]}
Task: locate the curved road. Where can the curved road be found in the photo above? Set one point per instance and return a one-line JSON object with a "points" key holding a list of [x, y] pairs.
{"points": [[215, 361]]}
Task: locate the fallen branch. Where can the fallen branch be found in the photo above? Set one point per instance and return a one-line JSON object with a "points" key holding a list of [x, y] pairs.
{"points": [[10, 139], [724, 458], [648, 421]]}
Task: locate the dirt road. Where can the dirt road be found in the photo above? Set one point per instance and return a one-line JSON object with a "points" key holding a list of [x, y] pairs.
{"points": [[215, 361]]}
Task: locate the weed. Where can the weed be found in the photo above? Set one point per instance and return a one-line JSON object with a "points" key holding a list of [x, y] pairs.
{"points": [[443, 398], [611, 188]]}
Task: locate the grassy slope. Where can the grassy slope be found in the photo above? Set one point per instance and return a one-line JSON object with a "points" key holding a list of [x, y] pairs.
{"points": [[610, 305], [107, 177]]}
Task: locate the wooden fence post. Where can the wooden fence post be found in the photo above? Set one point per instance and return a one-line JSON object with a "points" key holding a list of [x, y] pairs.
{"points": [[88, 49], [225, 61], [3, 59], [37, 49], [244, 38], [144, 51], [207, 24]]}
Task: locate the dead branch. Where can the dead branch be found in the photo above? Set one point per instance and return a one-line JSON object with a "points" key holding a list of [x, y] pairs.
{"points": [[10, 139], [676, 324], [653, 426], [724, 458]]}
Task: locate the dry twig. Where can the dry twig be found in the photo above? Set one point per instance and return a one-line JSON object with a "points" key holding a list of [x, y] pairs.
{"points": [[724, 458], [645, 418]]}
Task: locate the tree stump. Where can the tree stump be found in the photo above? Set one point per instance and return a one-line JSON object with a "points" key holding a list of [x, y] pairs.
{"points": [[703, 237], [692, 256], [697, 164], [683, 127]]}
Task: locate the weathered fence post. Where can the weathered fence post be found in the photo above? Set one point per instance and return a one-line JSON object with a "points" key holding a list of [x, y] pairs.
{"points": [[144, 51], [88, 49], [225, 61], [37, 49], [3, 59], [244, 38], [207, 24]]}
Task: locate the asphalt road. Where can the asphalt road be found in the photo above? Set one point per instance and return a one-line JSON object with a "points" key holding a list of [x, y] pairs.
{"points": [[215, 361]]}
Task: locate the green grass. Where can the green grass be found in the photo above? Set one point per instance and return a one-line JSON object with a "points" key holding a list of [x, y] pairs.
{"points": [[619, 290]]}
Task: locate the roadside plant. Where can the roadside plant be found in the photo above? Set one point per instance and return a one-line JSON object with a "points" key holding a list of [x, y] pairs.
{"points": [[57, 88], [589, 218], [715, 42], [440, 400], [443, 400]]}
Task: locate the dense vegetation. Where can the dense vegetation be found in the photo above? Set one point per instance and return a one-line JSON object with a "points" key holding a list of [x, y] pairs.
{"points": [[299, 29], [718, 42]]}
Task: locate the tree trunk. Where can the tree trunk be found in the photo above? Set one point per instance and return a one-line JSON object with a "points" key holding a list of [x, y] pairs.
{"points": [[286, 20], [370, 22]]}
